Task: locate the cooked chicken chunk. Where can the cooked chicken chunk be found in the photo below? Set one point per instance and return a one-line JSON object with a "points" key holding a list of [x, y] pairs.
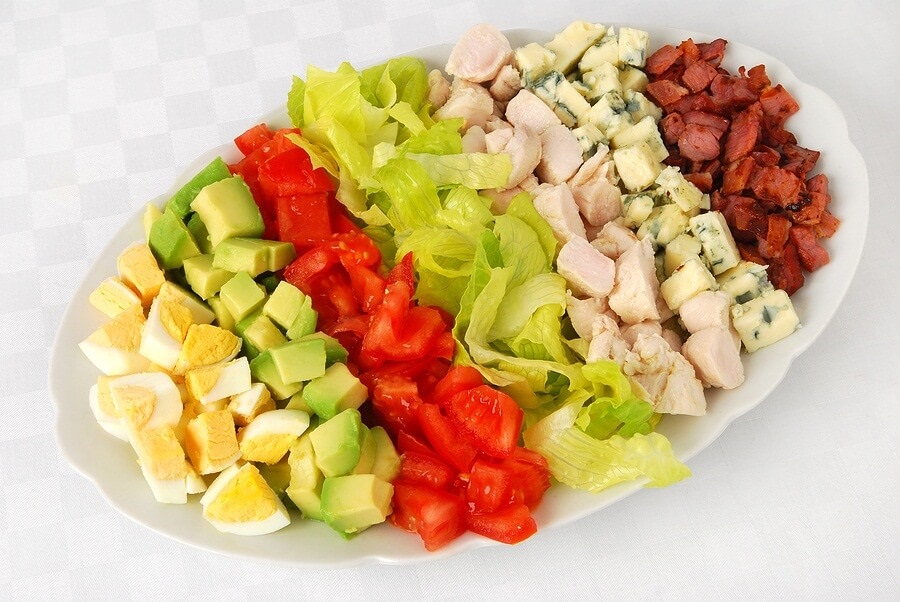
{"points": [[470, 101], [706, 310], [630, 333], [582, 313], [556, 205], [560, 155], [523, 147], [438, 88], [666, 377], [715, 357], [595, 189], [507, 83], [527, 110], [606, 341], [479, 54], [588, 271], [613, 239], [636, 288], [473, 141]]}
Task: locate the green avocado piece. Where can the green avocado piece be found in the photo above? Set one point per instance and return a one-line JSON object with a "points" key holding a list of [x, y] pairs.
{"points": [[278, 476], [335, 391], [262, 334], [386, 465], [200, 233], [305, 322], [228, 210], [269, 282], [284, 304], [171, 241], [242, 255], [180, 203], [280, 254], [224, 319], [203, 278], [241, 295], [353, 503], [367, 448], [334, 351], [299, 361], [305, 487], [263, 370], [337, 443], [149, 217]]}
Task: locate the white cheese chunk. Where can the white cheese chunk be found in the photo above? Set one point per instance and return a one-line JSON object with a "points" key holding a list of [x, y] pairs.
{"points": [[745, 281], [600, 80], [635, 209], [679, 250], [639, 106], [633, 78], [688, 279], [571, 43], [633, 45], [534, 61], [677, 189], [718, 243], [645, 131], [560, 95], [608, 114], [637, 166], [606, 50], [765, 319], [663, 225], [590, 138]]}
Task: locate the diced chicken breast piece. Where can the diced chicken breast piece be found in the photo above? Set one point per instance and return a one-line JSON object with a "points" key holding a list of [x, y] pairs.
{"points": [[557, 206], [507, 84], [634, 295], [523, 147], [479, 54], [560, 155], [667, 378], [674, 340], [470, 101], [630, 333], [582, 313], [715, 357], [664, 312], [495, 123], [473, 141], [527, 110], [438, 88], [587, 270], [613, 239], [530, 183], [606, 341], [596, 191], [706, 310]]}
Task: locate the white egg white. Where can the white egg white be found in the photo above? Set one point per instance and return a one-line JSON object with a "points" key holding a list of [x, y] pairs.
{"points": [[275, 521]]}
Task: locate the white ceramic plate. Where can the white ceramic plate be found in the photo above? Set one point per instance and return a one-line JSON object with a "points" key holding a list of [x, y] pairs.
{"points": [[110, 463]]}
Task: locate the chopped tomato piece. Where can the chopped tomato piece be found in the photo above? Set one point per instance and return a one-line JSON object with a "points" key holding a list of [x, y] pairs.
{"points": [[531, 476], [355, 249], [403, 272], [458, 378], [407, 442], [303, 219], [437, 516], [253, 138], [290, 172], [490, 417], [510, 524], [446, 438], [426, 469], [395, 400], [368, 287], [305, 269], [399, 332], [490, 486]]}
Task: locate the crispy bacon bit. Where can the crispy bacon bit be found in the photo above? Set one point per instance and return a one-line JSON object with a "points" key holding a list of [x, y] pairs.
{"points": [[756, 78], [710, 120], [812, 254], [698, 142], [777, 185], [662, 59], [785, 272], [799, 160], [732, 92], [666, 92], [777, 230], [690, 52], [743, 135], [713, 52], [702, 180], [737, 174], [672, 127], [698, 76], [778, 103], [827, 226]]}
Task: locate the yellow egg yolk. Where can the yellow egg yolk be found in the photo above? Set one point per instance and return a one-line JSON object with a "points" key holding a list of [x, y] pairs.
{"points": [[139, 270], [175, 318], [246, 498], [135, 404], [161, 454], [122, 332], [268, 448], [204, 345], [113, 296]]}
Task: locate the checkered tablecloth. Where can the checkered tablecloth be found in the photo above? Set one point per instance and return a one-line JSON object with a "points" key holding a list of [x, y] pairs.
{"points": [[103, 103]]}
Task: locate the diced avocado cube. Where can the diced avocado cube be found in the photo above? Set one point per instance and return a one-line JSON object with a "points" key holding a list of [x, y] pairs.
{"points": [[305, 488], [278, 476], [296, 402], [228, 210], [223, 317], [386, 465], [334, 391], [299, 361], [280, 254], [241, 295], [305, 323], [334, 351], [171, 241], [200, 233], [263, 370], [241, 255], [269, 282], [284, 305], [150, 215], [203, 278], [181, 203], [367, 449], [337, 443], [353, 503], [263, 334]]}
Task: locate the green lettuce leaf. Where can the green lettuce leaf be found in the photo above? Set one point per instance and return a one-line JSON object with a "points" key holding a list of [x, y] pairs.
{"points": [[474, 170]]}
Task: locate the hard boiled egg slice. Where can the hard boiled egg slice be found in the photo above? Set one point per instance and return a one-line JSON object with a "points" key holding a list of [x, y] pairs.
{"points": [[200, 312], [114, 348], [104, 409], [162, 463], [206, 345], [248, 405], [269, 436], [220, 381], [146, 400], [164, 332], [210, 441], [240, 501], [113, 296], [138, 269]]}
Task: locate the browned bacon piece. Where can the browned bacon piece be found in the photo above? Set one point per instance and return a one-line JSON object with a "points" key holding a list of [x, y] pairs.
{"points": [[737, 174], [756, 78], [702, 180], [713, 52], [812, 254], [777, 102], [776, 185], [660, 61], [698, 142], [666, 92], [672, 127], [785, 272], [698, 75], [778, 228], [743, 135], [798, 160], [715, 122]]}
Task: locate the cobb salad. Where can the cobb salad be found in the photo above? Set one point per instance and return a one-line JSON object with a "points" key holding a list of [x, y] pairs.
{"points": [[440, 290]]}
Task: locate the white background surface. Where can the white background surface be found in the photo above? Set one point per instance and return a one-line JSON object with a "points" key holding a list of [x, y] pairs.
{"points": [[101, 104]]}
